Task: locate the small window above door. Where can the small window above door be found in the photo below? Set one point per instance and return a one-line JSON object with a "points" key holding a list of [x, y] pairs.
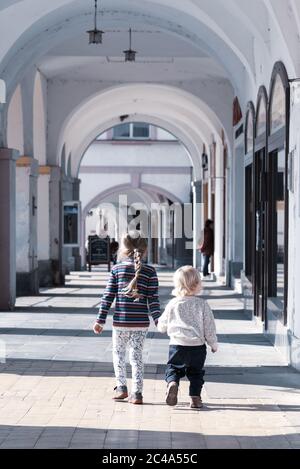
{"points": [[277, 105], [261, 117], [249, 135]]}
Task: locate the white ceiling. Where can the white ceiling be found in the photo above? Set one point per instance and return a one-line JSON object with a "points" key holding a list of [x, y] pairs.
{"points": [[170, 58]]}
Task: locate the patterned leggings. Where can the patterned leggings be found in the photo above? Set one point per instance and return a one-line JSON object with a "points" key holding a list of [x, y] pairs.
{"points": [[136, 341]]}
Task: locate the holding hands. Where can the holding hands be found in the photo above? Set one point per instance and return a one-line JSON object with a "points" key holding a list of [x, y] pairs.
{"points": [[97, 328]]}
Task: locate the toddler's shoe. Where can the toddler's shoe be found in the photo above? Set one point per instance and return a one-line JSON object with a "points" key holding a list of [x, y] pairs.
{"points": [[172, 392], [196, 402], [136, 398], [121, 393]]}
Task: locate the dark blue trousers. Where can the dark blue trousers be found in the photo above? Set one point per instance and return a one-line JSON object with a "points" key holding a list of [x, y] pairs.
{"points": [[205, 265], [189, 362]]}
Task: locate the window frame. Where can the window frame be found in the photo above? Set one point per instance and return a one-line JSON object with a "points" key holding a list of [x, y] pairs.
{"points": [[131, 132]]}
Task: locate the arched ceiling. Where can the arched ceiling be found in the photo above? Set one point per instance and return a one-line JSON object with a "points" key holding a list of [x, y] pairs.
{"points": [[211, 48], [230, 33], [175, 110]]}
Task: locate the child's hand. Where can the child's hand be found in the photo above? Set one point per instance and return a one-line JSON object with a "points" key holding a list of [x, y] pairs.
{"points": [[214, 348], [97, 328]]}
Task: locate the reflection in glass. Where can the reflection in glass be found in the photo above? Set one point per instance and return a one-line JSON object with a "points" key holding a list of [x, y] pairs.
{"points": [[278, 108], [280, 212], [249, 133], [261, 123], [249, 221]]}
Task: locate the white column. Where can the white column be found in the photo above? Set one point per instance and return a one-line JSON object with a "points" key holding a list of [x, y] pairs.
{"points": [[67, 253], [44, 261], [197, 221], [237, 210], [26, 226], [55, 209], [219, 215], [7, 228], [76, 251]]}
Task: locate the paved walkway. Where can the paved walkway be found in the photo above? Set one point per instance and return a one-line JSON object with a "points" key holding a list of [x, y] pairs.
{"points": [[57, 381]]}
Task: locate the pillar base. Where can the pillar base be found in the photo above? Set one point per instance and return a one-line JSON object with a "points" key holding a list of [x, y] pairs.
{"points": [[77, 263], [45, 274], [235, 268], [58, 278], [28, 283], [49, 274]]}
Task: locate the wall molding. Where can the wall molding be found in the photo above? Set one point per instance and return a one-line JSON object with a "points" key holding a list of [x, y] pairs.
{"points": [[135, 170]]}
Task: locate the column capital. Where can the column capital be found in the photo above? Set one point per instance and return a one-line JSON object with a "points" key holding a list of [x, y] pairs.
{"points": [[44, 170], [28, 162]]}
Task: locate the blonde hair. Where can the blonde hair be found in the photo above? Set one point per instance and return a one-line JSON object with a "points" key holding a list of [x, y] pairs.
{"points": [[186, 280], [133, 244]]}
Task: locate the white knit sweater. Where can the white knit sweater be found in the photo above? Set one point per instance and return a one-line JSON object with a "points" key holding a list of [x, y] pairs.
{"points": [[189, 321]]}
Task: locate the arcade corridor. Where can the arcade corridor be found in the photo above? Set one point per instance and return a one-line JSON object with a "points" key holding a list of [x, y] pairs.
{"points": [[196, 125], [53, 358]]}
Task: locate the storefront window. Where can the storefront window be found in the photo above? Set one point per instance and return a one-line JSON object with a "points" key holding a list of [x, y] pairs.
{"points": [[278, 107]]}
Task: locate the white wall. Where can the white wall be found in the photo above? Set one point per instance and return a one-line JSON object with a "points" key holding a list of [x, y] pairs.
{"points": [[43, 217], [132, 159], [140, 154], [294, 232]]}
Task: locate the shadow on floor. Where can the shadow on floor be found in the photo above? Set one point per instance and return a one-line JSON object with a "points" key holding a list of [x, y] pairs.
{"points": [[245, 339], [283, 377], [76, 437]]}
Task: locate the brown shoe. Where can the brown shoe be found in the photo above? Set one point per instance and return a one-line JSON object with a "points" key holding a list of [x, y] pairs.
{"points": [[172, 392], [136, 398], [120, 393], [196, 402]]}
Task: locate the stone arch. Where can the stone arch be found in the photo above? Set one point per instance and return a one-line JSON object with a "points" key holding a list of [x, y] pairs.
{"points": [[280, 71], [250, 114], [179, 112], [198, 24], [123, 187], [15, 122], [63, 160], [39, 120]]}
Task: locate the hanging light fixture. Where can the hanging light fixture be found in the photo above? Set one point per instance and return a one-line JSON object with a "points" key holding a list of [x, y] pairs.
{"points": [[95, 35], [130, 54]]}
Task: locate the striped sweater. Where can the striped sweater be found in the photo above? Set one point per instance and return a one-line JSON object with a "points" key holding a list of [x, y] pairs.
{"points": [[130, 313]]}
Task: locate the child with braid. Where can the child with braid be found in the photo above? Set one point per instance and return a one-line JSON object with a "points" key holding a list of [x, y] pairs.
{"points": [[134, 285]]}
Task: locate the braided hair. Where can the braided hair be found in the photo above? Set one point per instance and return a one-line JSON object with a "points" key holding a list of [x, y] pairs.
{"points": [[133, 245]]}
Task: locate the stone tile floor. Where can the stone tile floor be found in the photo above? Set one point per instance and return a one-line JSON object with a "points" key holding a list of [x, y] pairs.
{"points": [[56, 382]]}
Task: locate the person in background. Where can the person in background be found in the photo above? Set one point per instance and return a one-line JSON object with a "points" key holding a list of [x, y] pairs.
{"points": [[189, 322], [207, 246], [134, 286]]}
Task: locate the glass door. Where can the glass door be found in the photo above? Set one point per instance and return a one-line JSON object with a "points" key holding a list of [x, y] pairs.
{"points": [[276, 227], [249, 231], [260, 236]]}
